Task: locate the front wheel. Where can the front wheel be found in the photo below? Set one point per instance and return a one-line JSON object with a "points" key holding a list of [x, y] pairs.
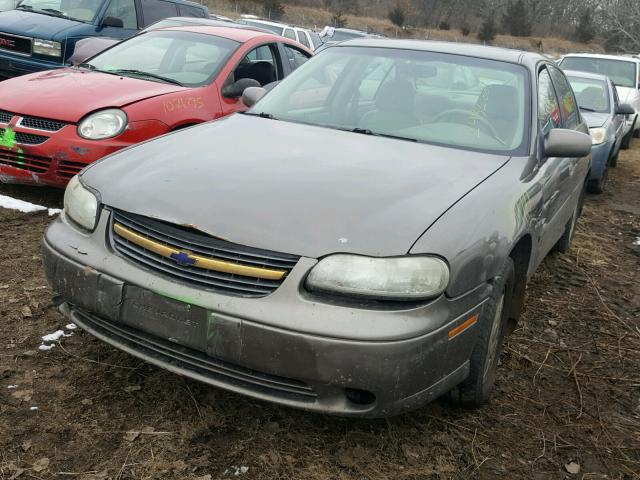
{"points": [[483, 364], [599, 186]]}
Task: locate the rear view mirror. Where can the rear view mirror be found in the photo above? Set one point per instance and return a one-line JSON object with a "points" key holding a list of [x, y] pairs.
{"points": [[625, 109], [567, 143], [252, 94], [236, 89], [112, 22]]}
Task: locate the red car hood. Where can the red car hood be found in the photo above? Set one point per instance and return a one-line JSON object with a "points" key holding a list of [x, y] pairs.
{"points": [[69, 94]]}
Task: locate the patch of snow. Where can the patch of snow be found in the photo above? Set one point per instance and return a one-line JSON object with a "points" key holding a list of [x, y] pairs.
{"points": [[637, 242], [53, 337], [12, 387], [33, 409], [71, 326], [44, 348], [11, 203], [236, 471]]}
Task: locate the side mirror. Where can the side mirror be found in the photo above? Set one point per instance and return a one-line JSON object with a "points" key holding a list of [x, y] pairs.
{"points": [[112, 22], [252, 94], [567, 143], [625, 109], [236, 89]]}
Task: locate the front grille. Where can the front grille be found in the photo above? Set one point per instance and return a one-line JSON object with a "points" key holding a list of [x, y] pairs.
{"points": [[15, 44], [22, 161], [27, 138], [69, 169], [194, 363], [158, 236], [41, 124], [5, 117]]}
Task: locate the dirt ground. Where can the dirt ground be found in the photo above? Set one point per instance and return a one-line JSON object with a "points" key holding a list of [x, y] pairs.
{"points": [[567, 403]]}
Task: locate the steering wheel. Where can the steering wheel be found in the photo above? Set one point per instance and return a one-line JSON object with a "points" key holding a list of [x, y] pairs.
{"points": [[465, 117]]}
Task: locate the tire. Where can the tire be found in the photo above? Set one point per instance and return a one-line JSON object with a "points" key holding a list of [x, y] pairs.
{"points": [[599, 186], [626, 140], [476, 390], [564, 244], [614, 160]]}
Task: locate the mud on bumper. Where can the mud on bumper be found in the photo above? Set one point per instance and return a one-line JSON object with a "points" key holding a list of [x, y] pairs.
{"points": [[328, 375]]}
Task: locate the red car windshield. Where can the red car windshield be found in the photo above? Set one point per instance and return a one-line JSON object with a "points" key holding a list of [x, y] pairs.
{"points": [[184, 58]]}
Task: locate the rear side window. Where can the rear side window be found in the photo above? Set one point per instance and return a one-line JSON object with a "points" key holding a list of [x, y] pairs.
{"points": [[568, 105], [549, 116], [289, 33], [124, 10], [154, 10], [302, 38], [191, 11]]}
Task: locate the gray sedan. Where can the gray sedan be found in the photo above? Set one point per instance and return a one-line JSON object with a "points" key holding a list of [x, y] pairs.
{"points": [[358, 243]]}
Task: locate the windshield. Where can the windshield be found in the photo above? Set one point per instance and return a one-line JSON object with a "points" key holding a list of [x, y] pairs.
{"points": [[428, 97], [190, 59], [621, 72], [591, 94], [81, 10]]}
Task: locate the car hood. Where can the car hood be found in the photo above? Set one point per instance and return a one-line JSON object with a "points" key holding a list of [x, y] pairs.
{"points": [[69, 94], [626, 94], [595, 119], [30, 24], [292, 188]]}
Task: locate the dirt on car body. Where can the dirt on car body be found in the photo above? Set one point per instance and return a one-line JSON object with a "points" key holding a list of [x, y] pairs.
{"points": [[567, 403]]}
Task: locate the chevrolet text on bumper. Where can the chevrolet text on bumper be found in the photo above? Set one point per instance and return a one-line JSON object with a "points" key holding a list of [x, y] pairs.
{"points": [[355, 269]]}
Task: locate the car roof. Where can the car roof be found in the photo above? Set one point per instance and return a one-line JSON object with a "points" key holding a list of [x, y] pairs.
{"points": [[592, 76], [232, 33], [266, 22], [602, 55], [454, 48]]}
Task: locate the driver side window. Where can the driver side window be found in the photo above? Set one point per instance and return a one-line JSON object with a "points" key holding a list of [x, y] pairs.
{"points": [[549, 116], [259, 64], [124, 10]]}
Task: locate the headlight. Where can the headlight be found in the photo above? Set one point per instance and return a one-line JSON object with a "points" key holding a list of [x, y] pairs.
{"points": [[598, 135], [397, 278], [103, 124], [80, 205], [47, 47]]}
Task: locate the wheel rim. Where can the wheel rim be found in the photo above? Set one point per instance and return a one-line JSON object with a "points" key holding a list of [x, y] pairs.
{"points": [[494, 338]]}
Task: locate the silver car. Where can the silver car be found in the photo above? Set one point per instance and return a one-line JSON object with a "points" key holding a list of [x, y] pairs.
{"points": [[358, 243]]}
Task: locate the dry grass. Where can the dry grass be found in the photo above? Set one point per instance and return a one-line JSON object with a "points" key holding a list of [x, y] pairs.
{"points": [[317, 18]]}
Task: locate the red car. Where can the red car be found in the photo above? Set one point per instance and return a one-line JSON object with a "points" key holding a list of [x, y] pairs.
{"points": [[53, 124]]}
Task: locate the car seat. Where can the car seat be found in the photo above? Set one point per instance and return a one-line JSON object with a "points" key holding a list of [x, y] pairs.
{"points": [[498, 104], [395, 108]]}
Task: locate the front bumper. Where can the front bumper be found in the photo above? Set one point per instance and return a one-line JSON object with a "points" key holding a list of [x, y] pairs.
{"points": [[62, 154], [285, 348]]}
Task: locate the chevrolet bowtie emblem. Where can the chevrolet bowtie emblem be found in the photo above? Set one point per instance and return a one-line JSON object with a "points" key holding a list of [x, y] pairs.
{"points": [[183, 258]]}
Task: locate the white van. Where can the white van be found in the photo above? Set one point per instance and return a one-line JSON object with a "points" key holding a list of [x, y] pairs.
{"points": [[306, 37]]}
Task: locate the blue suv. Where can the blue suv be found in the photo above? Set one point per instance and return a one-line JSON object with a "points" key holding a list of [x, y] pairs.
{"points": [[41, 34]]}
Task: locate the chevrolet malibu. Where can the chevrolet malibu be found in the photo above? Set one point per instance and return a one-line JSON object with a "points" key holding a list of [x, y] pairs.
{"points": [[53, 124], [357, 243]]}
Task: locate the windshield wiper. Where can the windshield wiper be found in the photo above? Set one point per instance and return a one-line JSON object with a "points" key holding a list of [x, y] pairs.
{"points": [[261, 115], [54, 12], [587, 109], [125, 71], [366, 131]]}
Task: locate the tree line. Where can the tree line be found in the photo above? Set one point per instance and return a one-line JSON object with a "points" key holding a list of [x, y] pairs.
{"points": [[614, 23]]}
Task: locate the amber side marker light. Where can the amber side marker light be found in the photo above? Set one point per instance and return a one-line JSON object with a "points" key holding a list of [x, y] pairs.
{"points": [[462, 327]]}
